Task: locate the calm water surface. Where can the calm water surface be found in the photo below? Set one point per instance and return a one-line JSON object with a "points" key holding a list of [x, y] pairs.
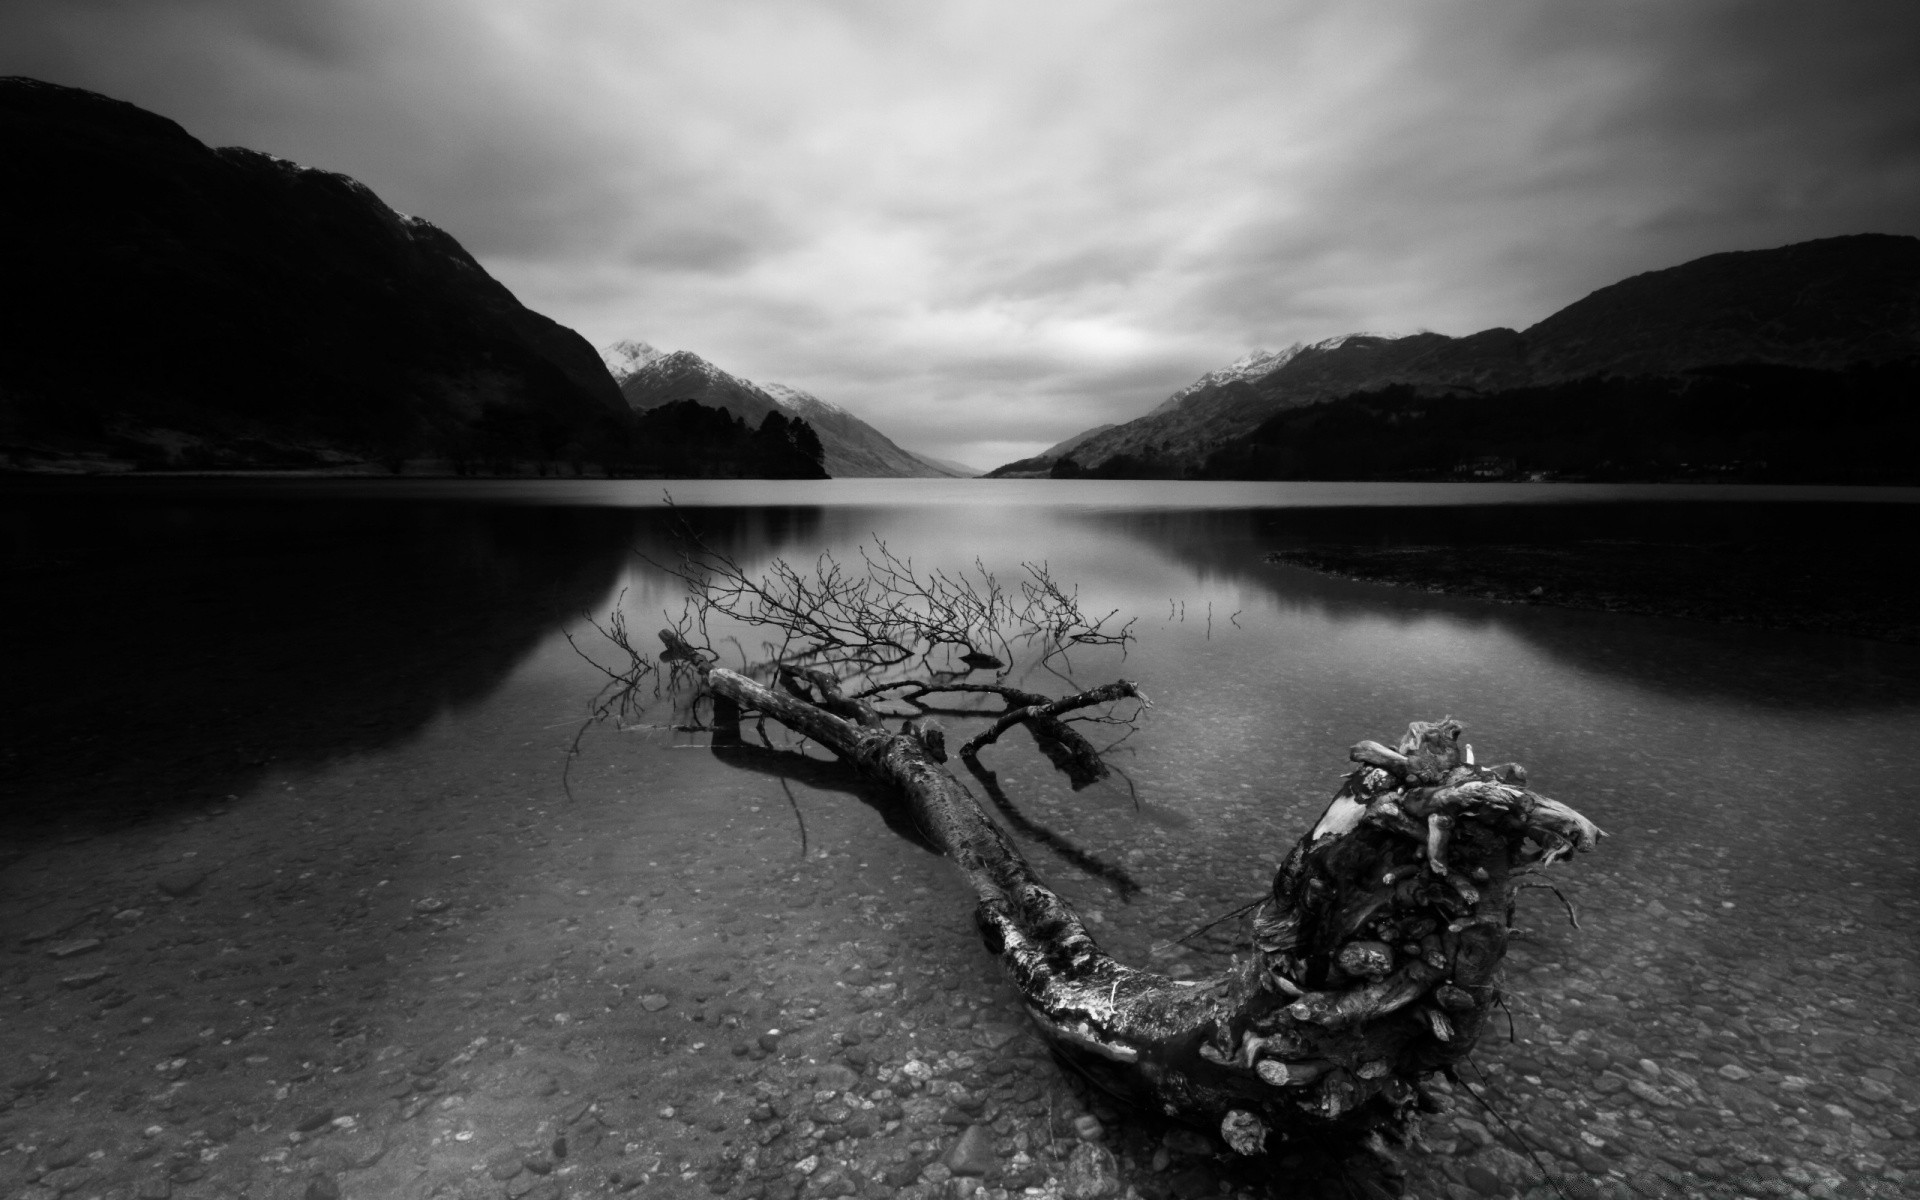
{"points": [[1735, 1014]]}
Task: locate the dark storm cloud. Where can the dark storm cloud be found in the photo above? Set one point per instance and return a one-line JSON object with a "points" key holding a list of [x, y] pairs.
{"points": [[986, 225]]}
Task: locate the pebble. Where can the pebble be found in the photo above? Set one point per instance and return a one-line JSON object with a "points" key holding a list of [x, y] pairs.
{"points": [[973, 1153], [1092, 1173], [835, 1077], [73, 948], [84, 979], [181, 883], [323, 1187], [653, 1002], [1647, 1092]]}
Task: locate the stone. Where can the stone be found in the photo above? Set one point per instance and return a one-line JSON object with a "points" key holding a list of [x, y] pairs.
{"points": [[313, 1119], [73, 948], [1484, 1181], [68, 1179], [504, 1166], [1092, 1173], [323, 1187], [1646, 1092], [836, 1077], [1087, 1128], [1869, 1089], [973, 1153], [179, 884], [84, 979], [653, 1002], [1473, 1131]]}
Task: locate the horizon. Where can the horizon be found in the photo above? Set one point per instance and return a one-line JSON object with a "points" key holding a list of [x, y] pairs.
{"points": [[945, 229]]}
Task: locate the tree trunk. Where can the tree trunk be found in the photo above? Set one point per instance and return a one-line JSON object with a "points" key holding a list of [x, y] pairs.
{"points": [[1372, 962]]}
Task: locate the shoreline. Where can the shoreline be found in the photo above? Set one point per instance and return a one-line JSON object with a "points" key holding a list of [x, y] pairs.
{"points": [[1800, 589]]}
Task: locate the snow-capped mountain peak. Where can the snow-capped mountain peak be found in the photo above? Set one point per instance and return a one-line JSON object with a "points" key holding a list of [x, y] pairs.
{"points": [[1251, 365], [625, 357], [805, 403], [649, 378]]}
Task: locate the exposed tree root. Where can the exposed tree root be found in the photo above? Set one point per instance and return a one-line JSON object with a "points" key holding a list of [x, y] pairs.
{"points": [[1371, 964]]}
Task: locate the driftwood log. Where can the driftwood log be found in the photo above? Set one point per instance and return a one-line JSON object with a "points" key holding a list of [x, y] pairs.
{"points": [[1371, 965]]}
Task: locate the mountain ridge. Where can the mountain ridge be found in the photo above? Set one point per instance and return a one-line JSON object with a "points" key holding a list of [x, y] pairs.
{"points": [[282, 316], [1825, 304], [648, 378]]}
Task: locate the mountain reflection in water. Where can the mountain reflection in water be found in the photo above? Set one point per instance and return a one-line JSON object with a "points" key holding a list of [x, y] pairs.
{"points": [[162, 650]]}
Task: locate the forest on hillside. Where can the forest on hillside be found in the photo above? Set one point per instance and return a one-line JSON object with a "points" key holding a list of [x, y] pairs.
{"points": [[1752, 423]]}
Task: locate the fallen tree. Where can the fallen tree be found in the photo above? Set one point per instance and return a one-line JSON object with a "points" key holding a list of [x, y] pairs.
{"points": [[1370, 965]]}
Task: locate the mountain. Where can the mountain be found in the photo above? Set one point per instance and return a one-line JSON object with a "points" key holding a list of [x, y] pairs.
{"points": [[950, 467], [1764, 423], [1826, 305], [684, 375], [622, 359], [1250, 366], [855, 448], [647, 379], [178, 306], [1041, 464]]}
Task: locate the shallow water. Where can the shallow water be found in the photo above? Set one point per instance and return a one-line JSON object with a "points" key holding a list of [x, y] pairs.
{"points": [[346, 708]]}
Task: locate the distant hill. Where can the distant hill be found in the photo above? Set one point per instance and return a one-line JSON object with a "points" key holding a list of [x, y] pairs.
{"points": [[1042, 463], [648, 378], [1831, 305], [952, 467], [176, 306]]}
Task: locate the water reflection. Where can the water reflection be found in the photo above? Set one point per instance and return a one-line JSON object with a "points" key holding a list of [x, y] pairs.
{"points": [[163, 650], [1751, 664]]}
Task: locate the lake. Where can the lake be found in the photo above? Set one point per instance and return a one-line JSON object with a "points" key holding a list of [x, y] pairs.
{"points": [[288, 849]]}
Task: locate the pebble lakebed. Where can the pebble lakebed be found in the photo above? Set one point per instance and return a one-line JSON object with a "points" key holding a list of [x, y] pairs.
{"points": [[230, 1012]]}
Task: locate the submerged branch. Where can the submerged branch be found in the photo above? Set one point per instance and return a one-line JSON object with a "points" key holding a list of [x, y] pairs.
{"points": [[1372, 962]]}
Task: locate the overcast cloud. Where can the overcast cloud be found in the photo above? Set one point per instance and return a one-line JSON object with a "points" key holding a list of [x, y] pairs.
{"points": [[984, 226]]}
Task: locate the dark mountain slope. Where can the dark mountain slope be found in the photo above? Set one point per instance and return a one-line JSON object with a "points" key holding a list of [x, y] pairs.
{"points": [[1751, 423], [174, 305], [1824, 305]]}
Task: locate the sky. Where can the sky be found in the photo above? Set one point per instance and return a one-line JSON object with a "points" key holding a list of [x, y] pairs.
{"points": [[985, 226]]}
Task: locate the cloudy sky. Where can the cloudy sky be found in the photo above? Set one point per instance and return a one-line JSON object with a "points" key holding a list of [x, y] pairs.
{"points": [[984, 226]]}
